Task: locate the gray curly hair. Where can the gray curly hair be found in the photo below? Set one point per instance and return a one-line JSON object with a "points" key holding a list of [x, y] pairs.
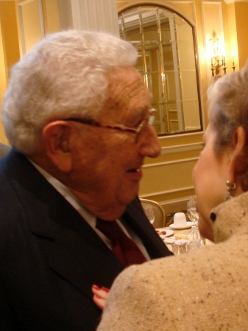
{"points": [[228, 109], [63, 75]]}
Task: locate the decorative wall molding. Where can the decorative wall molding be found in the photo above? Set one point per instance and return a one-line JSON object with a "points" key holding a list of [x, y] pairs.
{"points": [[168, 180], [185, 137], [31, 23], [234, 1], [89, 15], [181, 7], [160, 164], [167, 192], [181, 148], [172, 205]]}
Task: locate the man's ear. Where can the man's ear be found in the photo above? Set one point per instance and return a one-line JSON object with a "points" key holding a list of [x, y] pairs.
{"points": [[56, 137], [238, 145]]}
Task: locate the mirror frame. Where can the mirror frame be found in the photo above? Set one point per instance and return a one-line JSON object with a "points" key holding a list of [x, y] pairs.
{"points": [[196, 58]]}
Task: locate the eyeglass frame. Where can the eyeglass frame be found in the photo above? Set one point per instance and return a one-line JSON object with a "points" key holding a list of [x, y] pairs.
{"points": [[148, 120]]}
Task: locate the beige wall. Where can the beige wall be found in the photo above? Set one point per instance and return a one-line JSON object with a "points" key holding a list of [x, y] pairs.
{"points": [[9, 47], [241, 10], [167, 179]]}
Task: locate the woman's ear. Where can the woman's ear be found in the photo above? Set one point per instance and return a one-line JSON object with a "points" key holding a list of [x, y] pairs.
{"points": [[56, 137], [238, 145]]}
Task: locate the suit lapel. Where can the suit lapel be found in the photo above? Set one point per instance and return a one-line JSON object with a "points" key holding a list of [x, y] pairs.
{"points": [[80, 262], [76, 251]]}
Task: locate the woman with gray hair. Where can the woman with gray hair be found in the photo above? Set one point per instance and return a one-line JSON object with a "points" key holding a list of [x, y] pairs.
{"points": [[205, 289]]}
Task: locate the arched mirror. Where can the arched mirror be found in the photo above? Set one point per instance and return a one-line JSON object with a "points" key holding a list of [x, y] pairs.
{"points": [[168, 62]]}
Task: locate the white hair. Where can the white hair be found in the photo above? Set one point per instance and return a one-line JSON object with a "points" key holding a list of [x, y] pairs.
{"points": [[228, 106], [228, 109], [64, 75]]}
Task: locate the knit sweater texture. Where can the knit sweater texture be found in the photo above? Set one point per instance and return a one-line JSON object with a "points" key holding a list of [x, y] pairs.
{"points": [[203, 290]]}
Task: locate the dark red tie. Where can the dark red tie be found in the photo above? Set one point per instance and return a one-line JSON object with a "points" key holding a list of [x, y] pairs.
{"points": [[123, 247]]}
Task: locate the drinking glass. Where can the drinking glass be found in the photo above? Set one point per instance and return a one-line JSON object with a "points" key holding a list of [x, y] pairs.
{"points": [[179, 247], [149, 213]]}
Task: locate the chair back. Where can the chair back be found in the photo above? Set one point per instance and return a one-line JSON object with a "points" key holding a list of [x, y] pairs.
{"points": [[159, 212], [4, 149]]}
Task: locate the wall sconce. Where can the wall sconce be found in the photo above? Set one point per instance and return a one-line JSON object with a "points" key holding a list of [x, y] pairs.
{"points": [[218, 61]]}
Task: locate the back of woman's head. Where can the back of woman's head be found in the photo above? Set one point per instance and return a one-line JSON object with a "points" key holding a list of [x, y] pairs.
{"points": [[62, 76], [228, 109]]}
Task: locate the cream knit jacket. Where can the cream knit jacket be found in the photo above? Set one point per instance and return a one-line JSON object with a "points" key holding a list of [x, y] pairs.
{"points": [[204, 290]]}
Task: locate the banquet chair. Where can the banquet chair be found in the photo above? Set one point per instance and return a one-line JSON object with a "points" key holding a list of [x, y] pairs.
{"points": [[158, 210], [4, 149]]}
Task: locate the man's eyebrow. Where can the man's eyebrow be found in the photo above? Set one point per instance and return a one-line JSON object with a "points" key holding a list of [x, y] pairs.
{"points": [[139, 114]]}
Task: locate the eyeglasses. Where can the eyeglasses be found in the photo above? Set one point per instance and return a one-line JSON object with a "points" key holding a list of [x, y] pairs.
{"points": [[148, 120]]}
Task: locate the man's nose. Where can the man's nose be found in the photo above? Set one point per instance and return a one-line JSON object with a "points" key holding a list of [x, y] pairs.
{"points": [[149, 143]]}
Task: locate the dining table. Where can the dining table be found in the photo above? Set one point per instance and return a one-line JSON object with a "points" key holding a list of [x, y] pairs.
{"points": [[184, 236]]}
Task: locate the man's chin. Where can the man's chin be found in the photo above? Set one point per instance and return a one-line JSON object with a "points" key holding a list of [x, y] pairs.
{"points": [[128, 199], [127, 193]]}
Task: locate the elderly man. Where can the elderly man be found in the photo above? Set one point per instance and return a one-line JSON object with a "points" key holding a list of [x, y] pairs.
{"points": [[76, 114]]}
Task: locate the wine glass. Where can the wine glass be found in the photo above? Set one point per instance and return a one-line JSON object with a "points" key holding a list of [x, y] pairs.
{"points": [[196, 240], [149, 213], [192, 211]]}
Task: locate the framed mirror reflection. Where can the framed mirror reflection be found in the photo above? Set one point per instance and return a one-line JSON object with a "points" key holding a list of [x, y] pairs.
{"points": [[168, 62]]}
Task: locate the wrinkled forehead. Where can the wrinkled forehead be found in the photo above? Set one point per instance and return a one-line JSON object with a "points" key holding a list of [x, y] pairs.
{"points": [[127, 90]]}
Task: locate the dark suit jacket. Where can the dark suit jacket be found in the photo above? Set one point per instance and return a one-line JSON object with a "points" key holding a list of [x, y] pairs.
{"points": [[50, 257]]}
